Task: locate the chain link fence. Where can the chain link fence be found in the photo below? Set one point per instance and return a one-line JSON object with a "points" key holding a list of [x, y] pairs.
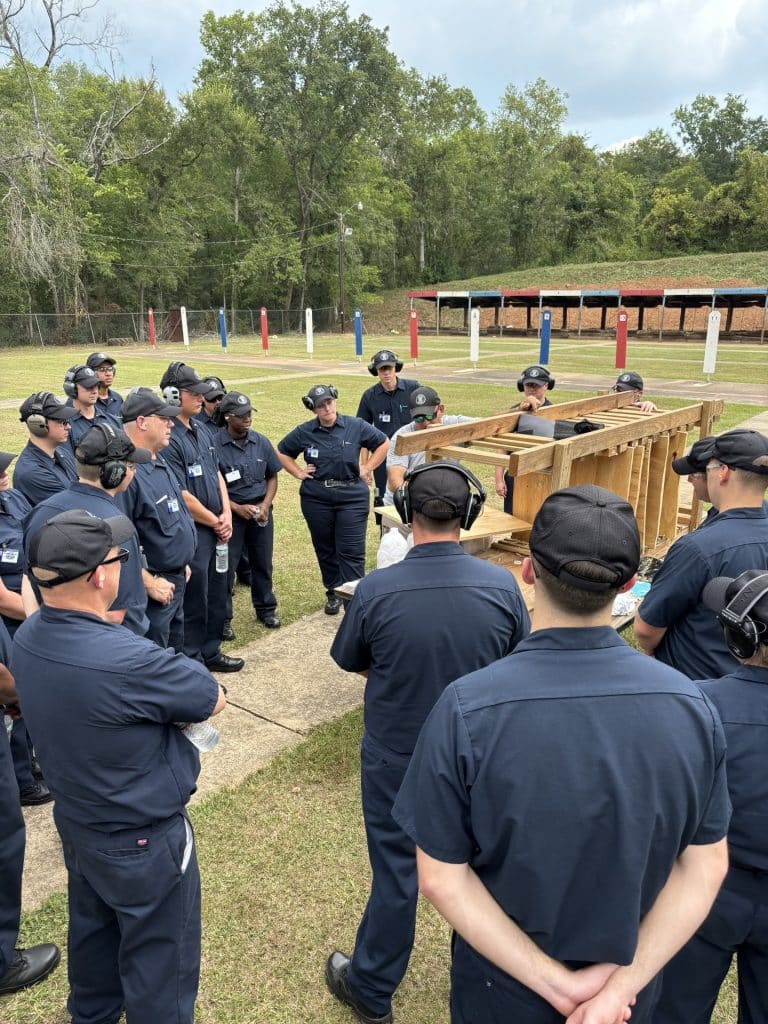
{"points": [[100, 330]]}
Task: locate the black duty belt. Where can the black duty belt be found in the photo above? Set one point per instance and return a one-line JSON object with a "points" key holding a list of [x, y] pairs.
{"points": [[339, 483]]}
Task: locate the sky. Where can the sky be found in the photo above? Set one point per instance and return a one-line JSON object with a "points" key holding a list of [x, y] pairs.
{"points": [[625, 64]]}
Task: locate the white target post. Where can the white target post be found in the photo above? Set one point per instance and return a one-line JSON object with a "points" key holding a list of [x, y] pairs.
{"points": [[184, 327], [310, 329], [474, 338], [710, 348]]}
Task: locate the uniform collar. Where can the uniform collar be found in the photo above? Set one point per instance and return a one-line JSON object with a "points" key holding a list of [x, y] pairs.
{"points": [[436, 547], [750, 674], [744, 513], [577, 639], [228, 439], [398, 387], [341, 421]]}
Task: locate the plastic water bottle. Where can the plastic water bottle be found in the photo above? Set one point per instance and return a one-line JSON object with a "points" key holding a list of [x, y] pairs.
{"points": [[202, 734], [222, 557]]}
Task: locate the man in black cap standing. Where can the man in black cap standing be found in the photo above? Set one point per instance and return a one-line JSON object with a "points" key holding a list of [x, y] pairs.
{"points": [[534, 382], [109, 710], [631, 381], [672, 623], [81, 386], [569, 802], [104, 366], [46, 465], [211, 402], [410, 629], [191, 454], [156, 508], [738, 922], [385, 405]]}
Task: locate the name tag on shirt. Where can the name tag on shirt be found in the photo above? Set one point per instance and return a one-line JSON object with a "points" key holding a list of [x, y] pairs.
{"points": [[195, 470], [385, 417], [313, 453], [232, 475], [173, 505], [10, 555]]}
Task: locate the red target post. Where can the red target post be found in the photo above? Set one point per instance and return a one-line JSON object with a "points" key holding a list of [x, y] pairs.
{"points": [[264, 330], [414, 324]]}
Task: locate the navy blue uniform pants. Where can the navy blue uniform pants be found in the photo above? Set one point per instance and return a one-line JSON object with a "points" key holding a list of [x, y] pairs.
{"points": [[337, 518], [737, 924], [21, 751], [258, 542], [134, 924], [385, 935], [11, 855], [483, 994], [166, 621], [205, 600]]}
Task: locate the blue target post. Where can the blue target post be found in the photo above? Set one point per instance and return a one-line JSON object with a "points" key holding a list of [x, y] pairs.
{"points": [[223, 328], [359, 333], [546, 330]]}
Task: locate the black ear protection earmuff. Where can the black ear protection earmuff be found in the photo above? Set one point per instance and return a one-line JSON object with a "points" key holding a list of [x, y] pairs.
{"points": [[468, 514], [329, 391], [372, 369], [36, 421], [70, 388], [113, 471], [544, 374], [742, 634], [170, 378]]}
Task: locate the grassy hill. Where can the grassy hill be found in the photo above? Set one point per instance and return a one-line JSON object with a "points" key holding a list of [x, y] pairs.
{"points": [[742, 270]]}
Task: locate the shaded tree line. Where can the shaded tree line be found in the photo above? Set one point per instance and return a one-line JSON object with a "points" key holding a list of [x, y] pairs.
{"points": [[304, 132]]}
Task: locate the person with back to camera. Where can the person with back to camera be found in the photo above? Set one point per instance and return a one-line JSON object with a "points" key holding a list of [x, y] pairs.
{"points": [[738, 922], [107, 709], [385, 405], [631, 381], [568, 802], [334, 485], [105, 367], [672, 623], [249, 465], [535, 381], [46, 465], [410, 629]]}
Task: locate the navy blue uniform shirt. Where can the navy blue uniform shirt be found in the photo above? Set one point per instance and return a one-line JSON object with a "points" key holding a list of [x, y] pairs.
{"points": [[570, 776], [80, 425], [734, 541], [464, 613], [741, 699], [191, 455], [387, 410], [14, 508], [38, 476], [111, 405], [246, 465], [154, 504], [101, 704], [334, 450], [132, 595]]}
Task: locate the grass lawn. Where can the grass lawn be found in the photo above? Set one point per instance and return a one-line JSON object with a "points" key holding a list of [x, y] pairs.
{"points": [[283, 856]]}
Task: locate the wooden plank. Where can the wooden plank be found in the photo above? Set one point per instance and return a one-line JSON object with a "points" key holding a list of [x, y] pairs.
{"points": [[657, 474], [671, 496], [642, 496], [437, 437], [530, 492], [615, 472], [471, 454], [636, 475], [561, 469], [592, 443], [583, 471], [492, 523]]}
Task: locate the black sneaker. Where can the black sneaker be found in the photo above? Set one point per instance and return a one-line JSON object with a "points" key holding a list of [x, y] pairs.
{"points": [[270, 620], [332, 605], [35, 794], [336, 968]]}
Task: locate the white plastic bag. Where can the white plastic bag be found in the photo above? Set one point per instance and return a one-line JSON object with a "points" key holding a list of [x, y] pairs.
{"points": [[392, 549]]}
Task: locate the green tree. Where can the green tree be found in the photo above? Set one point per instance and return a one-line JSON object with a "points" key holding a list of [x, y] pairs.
{"points": [[716, 133]]}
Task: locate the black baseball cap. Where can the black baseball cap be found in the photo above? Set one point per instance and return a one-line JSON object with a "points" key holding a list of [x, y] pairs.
{"points": [[384, 357], [234, 403], [215, 390], [74, 543], [438, 491], [721, 590], [6, 458], [739, 449], [44, 403], [97, 359], [423, 401], [586, 524], [146, 402], [321, 392], [695, 461], [181, 376], [83, 375], [535, 375], [628, 382], [103, 443]]}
